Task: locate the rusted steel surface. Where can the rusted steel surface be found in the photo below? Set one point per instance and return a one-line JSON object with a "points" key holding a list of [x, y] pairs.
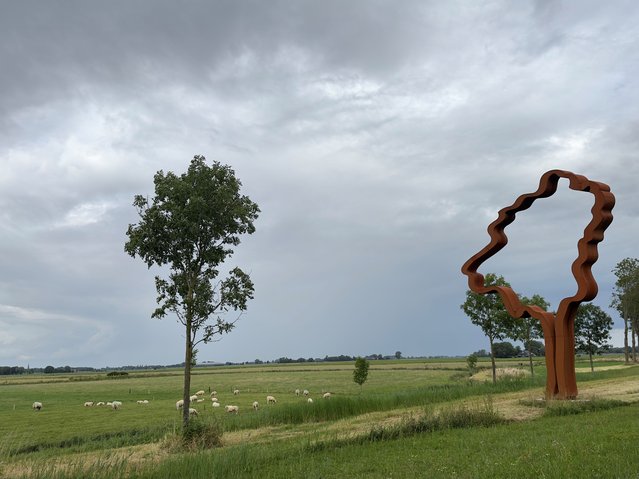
{"points": [[558, 328]]}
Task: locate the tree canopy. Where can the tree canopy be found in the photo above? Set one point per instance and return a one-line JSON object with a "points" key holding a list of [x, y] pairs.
{"points": [[592, 329], [190, 226]]}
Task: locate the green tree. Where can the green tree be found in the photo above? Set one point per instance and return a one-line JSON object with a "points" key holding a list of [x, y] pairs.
{"points": [[592, 329], [488, 312], [527, 330], [49, 370], [471, 361], [398, 355], [625, 299], [360, 374], [190, 226], [506, 350]]}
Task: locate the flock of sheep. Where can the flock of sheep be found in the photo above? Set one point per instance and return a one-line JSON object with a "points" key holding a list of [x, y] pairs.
{"points": [[197, 398]]}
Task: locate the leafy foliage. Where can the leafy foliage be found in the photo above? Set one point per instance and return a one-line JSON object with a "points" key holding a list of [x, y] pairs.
{"points": [[592, 329], [360, 374], [191, 225]]}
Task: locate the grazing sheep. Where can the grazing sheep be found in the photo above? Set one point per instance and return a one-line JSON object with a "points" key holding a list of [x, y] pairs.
{"points": [[232, 409], [116, 405], [236, 392], [215, 404], [180, 404], [88, 404], [256, 405], [213, 394], [143, 401], [200, 400], [192, 412], [193, 398], [109, 404], [199, 393], [306, 393], [327, 395], [297, 392], [270, 399], [37, 406], [100, 403], [214, 399], [309, 400]]}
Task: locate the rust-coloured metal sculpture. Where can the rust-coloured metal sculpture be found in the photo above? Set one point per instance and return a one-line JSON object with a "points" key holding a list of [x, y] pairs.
{"points": [[558, 328]]}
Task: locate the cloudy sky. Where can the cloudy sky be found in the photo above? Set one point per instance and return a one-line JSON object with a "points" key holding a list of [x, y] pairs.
{"points": [[379, 139]]}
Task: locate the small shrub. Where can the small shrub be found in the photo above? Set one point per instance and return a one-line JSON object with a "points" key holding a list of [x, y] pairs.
{"points": [[199, 434]]}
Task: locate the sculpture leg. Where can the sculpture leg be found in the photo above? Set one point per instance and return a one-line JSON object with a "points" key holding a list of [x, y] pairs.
{"points": [[565, 357], [551, 372]]}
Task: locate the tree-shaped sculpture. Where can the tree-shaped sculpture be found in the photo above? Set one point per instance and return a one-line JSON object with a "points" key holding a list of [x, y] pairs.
{"points": [[558, 327]]}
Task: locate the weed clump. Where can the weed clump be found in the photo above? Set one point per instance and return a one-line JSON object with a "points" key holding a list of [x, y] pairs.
{"points": [[198, 435]]}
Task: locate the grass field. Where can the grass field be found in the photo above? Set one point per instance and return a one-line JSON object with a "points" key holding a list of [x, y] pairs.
{"points": [[412, 418]]}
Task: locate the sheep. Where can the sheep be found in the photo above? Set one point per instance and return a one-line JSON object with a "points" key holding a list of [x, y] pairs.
{"points": [[214, 399], [116, 405], [213, 394], [110, 404], [143, 401], [215, 404], [232, 409], [37, 406], [327, 395], [100, 403], [88, 404], [297, 392], [180, 404], [193, 398], [200, 400], [199, 393], [306, 393], [236, 392], [256, 405], [270, 399], [309, 400], [192, 412]]}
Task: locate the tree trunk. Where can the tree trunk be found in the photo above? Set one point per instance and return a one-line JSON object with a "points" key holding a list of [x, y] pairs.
{"points": [[633, 334], [625, 338], [492, 360], [532, 372], [186, 393], [592, 367]]}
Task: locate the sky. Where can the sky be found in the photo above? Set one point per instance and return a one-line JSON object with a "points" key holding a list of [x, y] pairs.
{"points": [[378, 138]]}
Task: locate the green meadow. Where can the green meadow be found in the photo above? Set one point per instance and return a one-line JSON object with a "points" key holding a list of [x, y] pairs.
{"points": [[411, 418]]}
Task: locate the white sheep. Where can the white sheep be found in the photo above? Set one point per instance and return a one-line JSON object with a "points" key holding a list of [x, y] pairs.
{"points": [[270, 399], [232, 409], [215, 404], [213, 394], [199, 393], [327, 395], [37, 406], [192, 412], [200, 400], [306, 393], [180, 404], [236, 392], [309, 400], [116, 404], [297, 392], [256, 405], [110, 404], [193, 398], [214, 399], [100, 403], [143, 401], [88, 404]]}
